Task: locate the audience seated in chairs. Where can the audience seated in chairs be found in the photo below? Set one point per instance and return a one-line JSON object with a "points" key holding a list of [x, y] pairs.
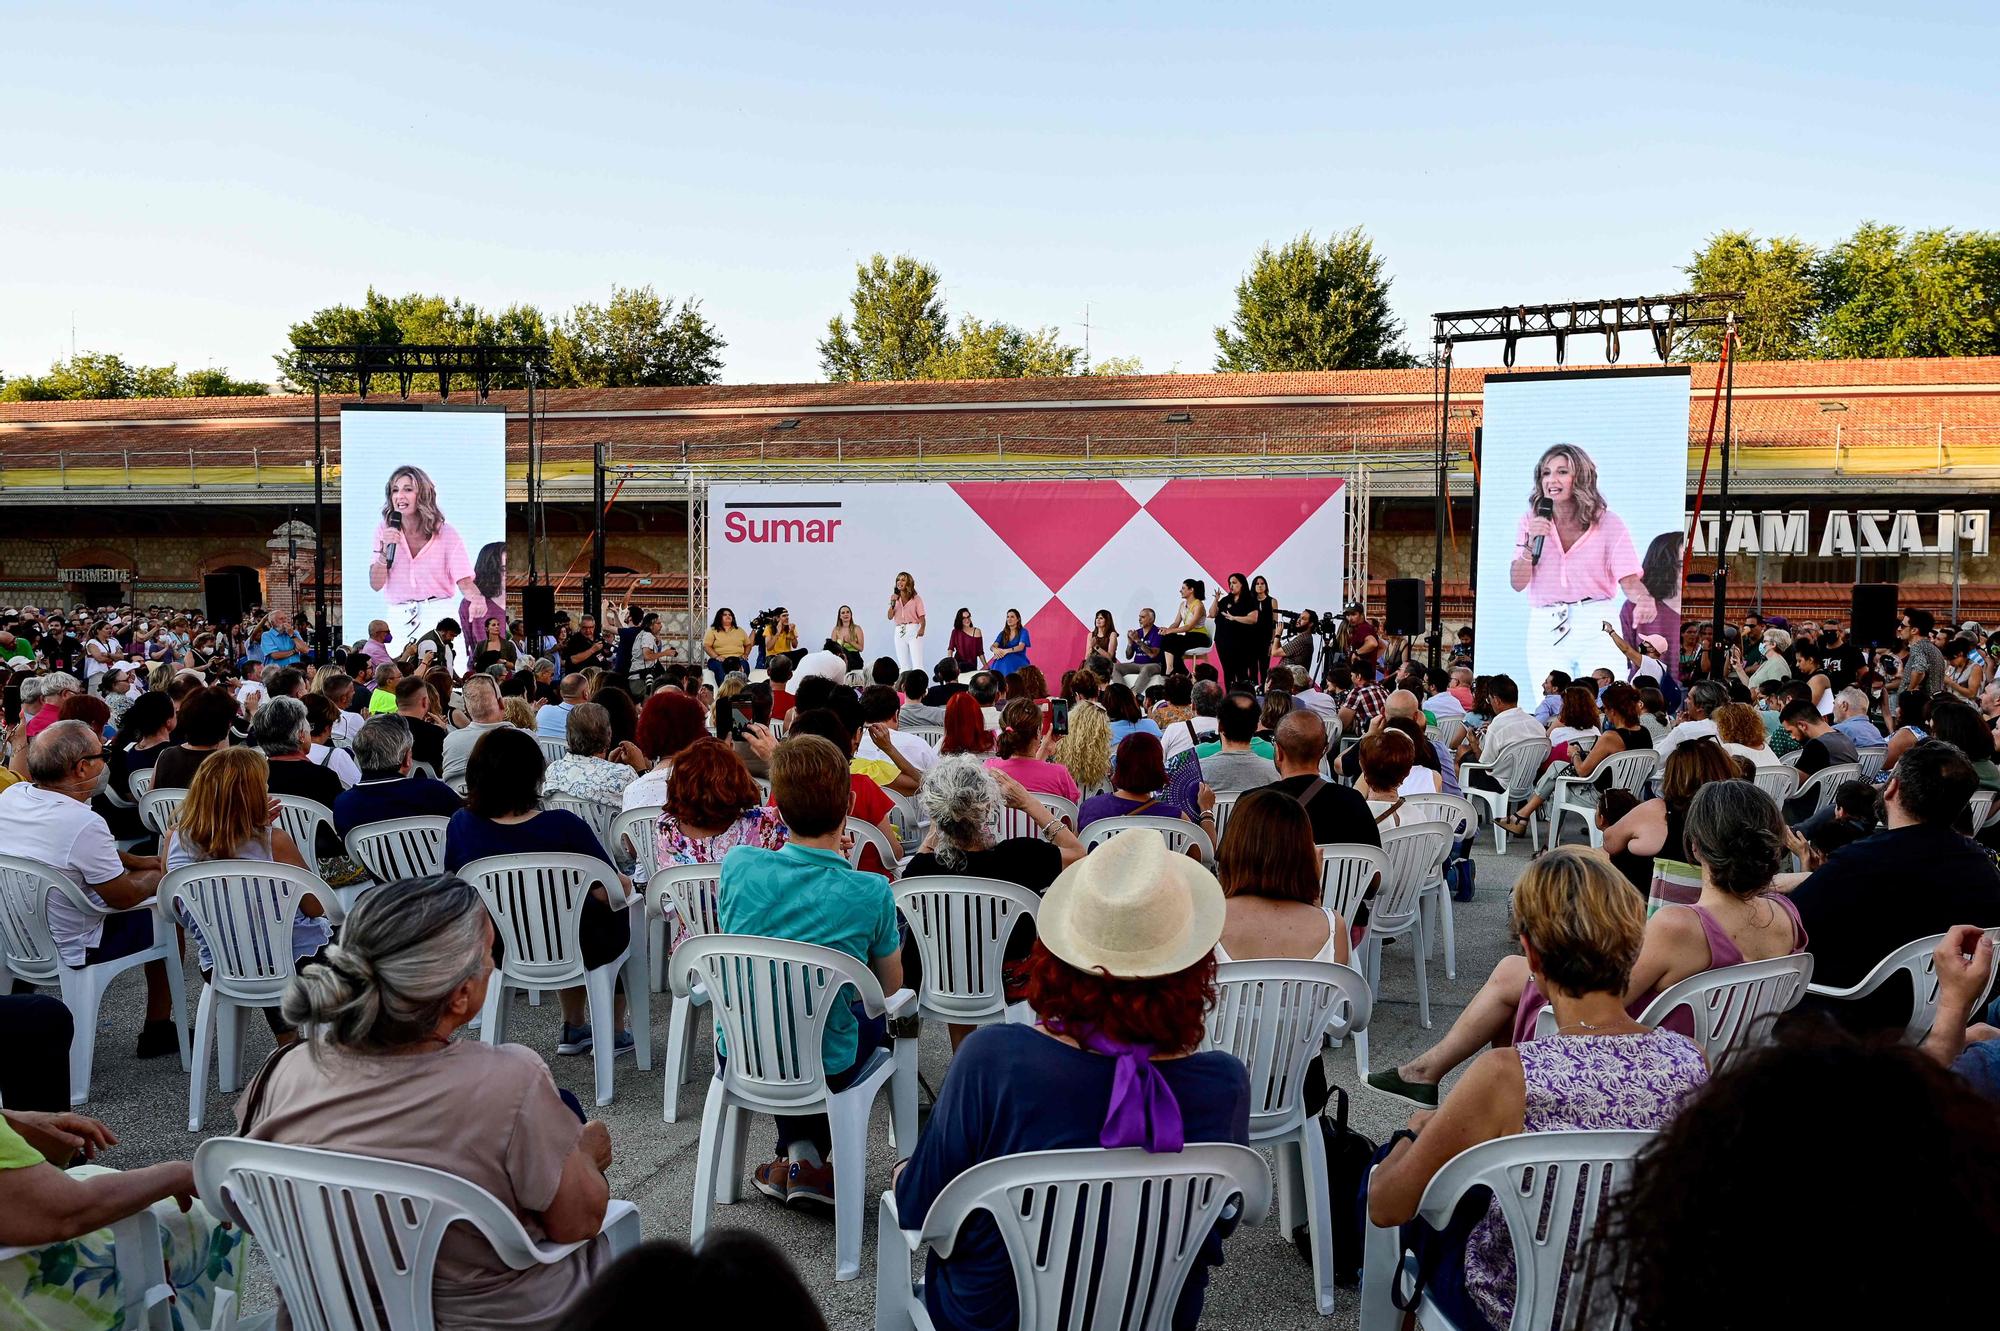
{"points": [[1086, 750], [416, 703], [1582, 930], [712, 807], [1388, 756], [1121, 979], [1023, 752], [485, 712], [1339, 814], [1654, 830], [838, 723], [1735, 836], [1269, 868], [592, 770], [1621, 733], [806, 892], [281, 731], [1752, 1135], [321, 715], [965, 729], [201, 726], [141, 739], [227, 816], [389, 786], [384, 1077], [48, 818], [503, 816], [1914, 877], [1137, 776], [668, 723]]}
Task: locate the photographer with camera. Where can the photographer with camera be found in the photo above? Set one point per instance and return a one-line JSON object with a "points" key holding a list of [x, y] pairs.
{"points": [[1300, 634]]}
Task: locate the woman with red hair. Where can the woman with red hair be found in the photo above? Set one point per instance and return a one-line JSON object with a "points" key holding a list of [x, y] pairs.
{"points": [[668, 723], [964, 727], [713, 806], [1121, 978]]}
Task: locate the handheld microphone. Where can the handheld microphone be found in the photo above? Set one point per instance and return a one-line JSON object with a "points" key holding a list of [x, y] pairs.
{"points": [[1544, 508], [396, 521]]}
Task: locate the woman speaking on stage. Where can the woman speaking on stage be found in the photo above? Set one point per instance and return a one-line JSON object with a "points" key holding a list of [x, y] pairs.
{"points": [[1572, 556], [906, 612], [419, 562]]}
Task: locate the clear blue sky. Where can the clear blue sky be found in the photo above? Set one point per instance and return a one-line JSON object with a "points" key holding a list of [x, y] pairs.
{"points": [[188, 179]]}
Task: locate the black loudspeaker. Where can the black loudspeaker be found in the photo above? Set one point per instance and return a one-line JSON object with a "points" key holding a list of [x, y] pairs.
{"points": [[1405, 613], [538, 609], [1874, 616]]}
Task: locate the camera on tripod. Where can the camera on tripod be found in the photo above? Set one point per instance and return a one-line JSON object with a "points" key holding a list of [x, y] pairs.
{"points": [[766, 618]]}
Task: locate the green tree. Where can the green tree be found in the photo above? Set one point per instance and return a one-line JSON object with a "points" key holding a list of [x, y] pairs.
{"points": [[637, 339], [1886, 292], [101, 375], [980, 350], [899, 323], [414, 318], [1313, 306], [1779, 279], [1117, 365]]}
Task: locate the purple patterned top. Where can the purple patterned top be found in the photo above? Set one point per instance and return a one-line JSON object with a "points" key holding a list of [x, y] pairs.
{"points": [[1577, 1082], [759, 826]]}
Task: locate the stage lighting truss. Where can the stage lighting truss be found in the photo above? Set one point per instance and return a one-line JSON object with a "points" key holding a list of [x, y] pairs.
{"points": [[1660, 317], [409, 362]]}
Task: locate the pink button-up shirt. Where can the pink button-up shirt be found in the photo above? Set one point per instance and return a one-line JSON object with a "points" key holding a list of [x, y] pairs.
{"points": [[1591, 569], [910, 611], [432, 574]]}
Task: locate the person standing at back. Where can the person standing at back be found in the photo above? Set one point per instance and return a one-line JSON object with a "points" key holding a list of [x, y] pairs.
{"points": [[806, 892]]}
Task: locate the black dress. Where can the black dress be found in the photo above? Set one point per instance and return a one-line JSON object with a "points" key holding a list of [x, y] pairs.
{"points": [[1234, 642], [1266, 629]]}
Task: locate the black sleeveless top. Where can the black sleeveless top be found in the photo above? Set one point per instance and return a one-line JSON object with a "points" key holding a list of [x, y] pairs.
{"points": [[1638, 869]]}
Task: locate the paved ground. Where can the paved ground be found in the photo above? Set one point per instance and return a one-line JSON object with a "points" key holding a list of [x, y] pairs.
{"points": [[1263, 1285]]}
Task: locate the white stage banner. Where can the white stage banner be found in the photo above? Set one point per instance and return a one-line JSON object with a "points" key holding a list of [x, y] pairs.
{"points": [[1056, 551], [423, 519]]}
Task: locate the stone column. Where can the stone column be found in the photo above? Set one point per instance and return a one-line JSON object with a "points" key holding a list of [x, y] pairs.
{"points": [[291, 568]]}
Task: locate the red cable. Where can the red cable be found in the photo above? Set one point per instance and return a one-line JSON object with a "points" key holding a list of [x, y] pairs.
{"points": [[1714, 405], [608, 502]]}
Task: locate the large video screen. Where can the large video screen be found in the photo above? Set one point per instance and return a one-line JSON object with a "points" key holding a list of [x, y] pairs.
{"points": [[423, 519], [1056, 551], [1583, 482]]}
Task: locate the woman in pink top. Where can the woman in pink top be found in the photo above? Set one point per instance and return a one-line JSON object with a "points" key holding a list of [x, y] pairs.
{"points": [[1023, 752], [906, 612], [1585, 555], [419, 562]]}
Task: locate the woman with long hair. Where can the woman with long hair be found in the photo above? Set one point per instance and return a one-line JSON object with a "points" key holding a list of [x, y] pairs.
{"points": [[419, 563], [968, 643], [725, 644], [494, 645], [1190, 627], [965, 727], [1270, 872], [1121, 980], [847, 638], [489, 599], [1235, 613], [1126, 714], [906, 613], [1086, 749], [1267, 630], [1103, 637], [1010, 647], [1022, 751], [713, 806], [1572, 555]]}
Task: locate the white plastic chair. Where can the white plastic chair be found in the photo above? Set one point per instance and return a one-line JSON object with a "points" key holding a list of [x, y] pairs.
{"points": [[1870, 759], [1822, 784], [1913, 959], [689, 893], [905, 817], [1050, 1208], [302, 818], [600, 817], [1225, 804], [1728, 1002], [1630, 770], [867, 834], [931, 735], [1415, 852], [145, 1298], [1273, 1016], [1981, 807], [141, 782], [1550, 1188], [536, 902], [243, 910], [352, 1240], [28, 949], [1455, 812], [1014, 823], [1513, 767], [1450, 730], [1349, 875], [552, 749], [960, 926], [638, 831], [1780, 783], [159, 808], [394, 849], [772, 999], [1179, 832]]}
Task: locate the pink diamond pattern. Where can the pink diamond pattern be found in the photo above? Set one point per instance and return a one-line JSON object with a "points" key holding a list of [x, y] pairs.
{"points": [[1058, 635], [1054, 527], [1232, 524]]}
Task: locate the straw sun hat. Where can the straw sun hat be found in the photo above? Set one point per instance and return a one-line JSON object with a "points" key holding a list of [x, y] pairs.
{"points": [[1132, 909]]}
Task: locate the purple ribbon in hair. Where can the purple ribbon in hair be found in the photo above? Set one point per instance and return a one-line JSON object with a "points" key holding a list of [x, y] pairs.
{"points": [[1143, 1110]]}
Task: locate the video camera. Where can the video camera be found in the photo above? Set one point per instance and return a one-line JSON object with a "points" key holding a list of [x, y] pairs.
{"points": [[766, 618]]}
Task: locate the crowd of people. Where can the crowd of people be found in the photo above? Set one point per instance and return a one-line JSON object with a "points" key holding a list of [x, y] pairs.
{"points": [[980, 765]]}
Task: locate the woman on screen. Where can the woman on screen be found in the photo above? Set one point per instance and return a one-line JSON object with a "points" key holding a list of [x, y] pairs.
{"points": [[489, 601], [419, 563], [1660, 571], [1572, 556]]}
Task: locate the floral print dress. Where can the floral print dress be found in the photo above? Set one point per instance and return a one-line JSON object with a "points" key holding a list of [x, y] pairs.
{"points": [[761, 826]]}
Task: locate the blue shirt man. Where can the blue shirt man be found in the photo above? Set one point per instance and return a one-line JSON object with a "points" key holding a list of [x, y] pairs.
{"points": [[552, 722], [277, 646]]}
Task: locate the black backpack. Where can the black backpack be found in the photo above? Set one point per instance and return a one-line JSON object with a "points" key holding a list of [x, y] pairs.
{"points": [[1348, 1155]]}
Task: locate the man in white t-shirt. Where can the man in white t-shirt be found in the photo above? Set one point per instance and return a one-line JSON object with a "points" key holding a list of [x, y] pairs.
{"points": [[1178, 737], [1701, 700], [1509, 725], [825, 664], [49, 818], [880, 705], [250, 694]]}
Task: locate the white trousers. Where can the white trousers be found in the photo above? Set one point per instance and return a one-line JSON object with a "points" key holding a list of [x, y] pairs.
{"points": [[1570, 637], [910, 647]]}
